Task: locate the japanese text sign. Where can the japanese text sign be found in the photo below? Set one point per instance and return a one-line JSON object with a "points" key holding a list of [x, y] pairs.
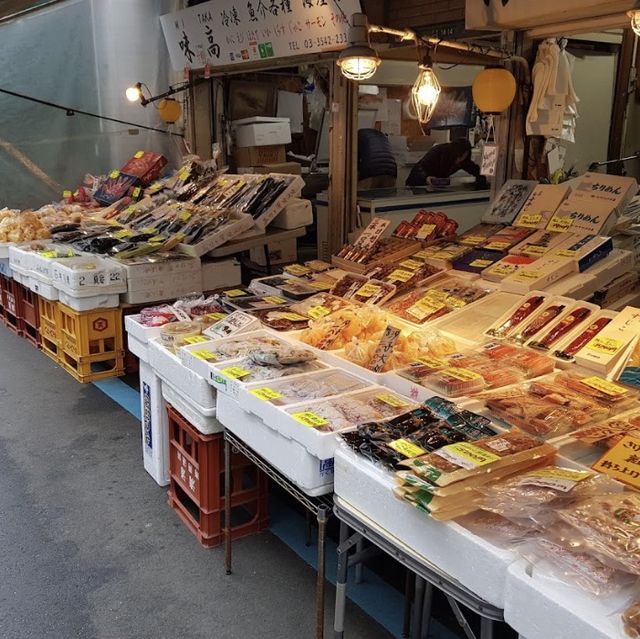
{"points": [[622, 462], [223, 32]]}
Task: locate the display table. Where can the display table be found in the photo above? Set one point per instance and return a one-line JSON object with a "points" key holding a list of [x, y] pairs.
{"points": [[455, 592]]}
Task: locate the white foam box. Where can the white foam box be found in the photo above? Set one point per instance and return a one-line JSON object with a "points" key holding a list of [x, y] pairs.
{"points": [[5, 269], [19, 257], [169, 291], [541, 608], [90, 302], [219, 273], [467, 558], [541, 205], [238, 223], [291, 192], [202, 419], [168, 366], [295, 214], [4, 249], [138, 348], [155, 426], [88, 276], [605, 350], [138, 331], [261, 131], [48, 291], [141, 268], [279, 252], [539, 275], [312, 475]]}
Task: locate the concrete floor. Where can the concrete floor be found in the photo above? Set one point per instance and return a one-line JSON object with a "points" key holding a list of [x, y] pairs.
{"points": [[89, 547]]}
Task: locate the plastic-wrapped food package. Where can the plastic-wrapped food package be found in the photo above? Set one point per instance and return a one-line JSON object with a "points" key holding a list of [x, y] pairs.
{"points": [[539, 323], [348, 411], [522, 313], [457, 462], [569, 351], [546, 488], [609, 433], [176, 334], [271, 363], [574, 567], [562, 328], [314, 386], [631, 619], [544, 408], [282, 320], [454, 381], [336, 330], [499, 530], [319, 305], [401, 275], [615, 397], [607, 525], [530, 363], [241, 346]]}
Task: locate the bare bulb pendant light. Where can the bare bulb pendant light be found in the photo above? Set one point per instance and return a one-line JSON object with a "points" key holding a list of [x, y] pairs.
{"points": [[635, 20], [425, 92], [358, 61]]}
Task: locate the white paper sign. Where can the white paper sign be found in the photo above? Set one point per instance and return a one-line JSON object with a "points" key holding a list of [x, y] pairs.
{"points": [[223, 32], [489, 160]]}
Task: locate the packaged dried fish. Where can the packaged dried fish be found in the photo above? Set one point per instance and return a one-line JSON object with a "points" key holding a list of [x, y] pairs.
{"points": [[539, 322], [523, 312], [454, 381], [609, 433], [320, 305], [227, 349], [562, 327], [282, 320], [254, 368]]}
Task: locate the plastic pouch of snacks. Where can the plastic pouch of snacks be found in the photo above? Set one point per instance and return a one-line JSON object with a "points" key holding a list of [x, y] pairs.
{"points": [[174, 335]]}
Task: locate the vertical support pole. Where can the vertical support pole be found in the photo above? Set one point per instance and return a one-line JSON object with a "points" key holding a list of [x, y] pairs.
{"points": [[359, 566], [343, 158], [426, 610], [418, 599], [341, 583], [408, 597], [227, 506], [200, 125], [323, 517]]}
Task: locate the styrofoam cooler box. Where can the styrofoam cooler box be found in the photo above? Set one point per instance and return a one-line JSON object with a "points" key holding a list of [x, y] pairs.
{"points": [[5, 268], [202, 419], [138, 336], [48, 291], [86, 276], [312, 475], [295, 214], [219, 273], [89, 303], [168, 366], [539, 607], [20, 258], [279, 252], [164, 292], [138, 348], [456, 551], [155, 426]]}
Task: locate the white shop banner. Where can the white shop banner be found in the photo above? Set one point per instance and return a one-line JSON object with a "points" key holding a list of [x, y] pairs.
{"points": [[524, 14], [223, 32]]}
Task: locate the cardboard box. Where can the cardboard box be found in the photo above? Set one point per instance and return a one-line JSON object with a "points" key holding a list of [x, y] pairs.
{"points": [[261, 131], [585, 250], [509, 201], [541, 205], [541, 243], [257, 155], [292, 168], [539, 275], [279, 253], [297, 213]]}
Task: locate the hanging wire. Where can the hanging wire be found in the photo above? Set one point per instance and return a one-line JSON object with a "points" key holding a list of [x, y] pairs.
{"points": [[73, 111]]}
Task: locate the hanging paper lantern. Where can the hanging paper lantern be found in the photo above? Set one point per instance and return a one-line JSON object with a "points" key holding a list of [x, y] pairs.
{"points": [[494, 89], [169, 110]]}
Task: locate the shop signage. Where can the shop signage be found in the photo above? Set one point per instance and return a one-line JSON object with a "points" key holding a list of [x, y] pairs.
{"points": [[223, 32], [524, 14]]}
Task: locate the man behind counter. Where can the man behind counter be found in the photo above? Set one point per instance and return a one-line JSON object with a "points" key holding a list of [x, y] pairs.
{"points": [[444, 160]]}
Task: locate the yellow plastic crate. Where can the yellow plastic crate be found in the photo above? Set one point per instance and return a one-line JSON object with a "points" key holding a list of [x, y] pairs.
{"points": [[94, 367], [87, 334], [50, 337]]}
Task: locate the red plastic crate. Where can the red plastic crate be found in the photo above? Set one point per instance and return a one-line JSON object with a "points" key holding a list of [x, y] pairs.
{"points": [[10, 303], [196, 490], [29, 320]]}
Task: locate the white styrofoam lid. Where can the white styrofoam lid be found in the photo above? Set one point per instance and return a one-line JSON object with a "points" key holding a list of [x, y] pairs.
{"points": [[258, 119]]}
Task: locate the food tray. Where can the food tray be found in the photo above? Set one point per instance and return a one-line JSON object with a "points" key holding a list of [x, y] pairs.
{"points": [[239, 223], [312, 475], [138, 348], [202, 419], [85, 276], [140, 332], [405, 249]]}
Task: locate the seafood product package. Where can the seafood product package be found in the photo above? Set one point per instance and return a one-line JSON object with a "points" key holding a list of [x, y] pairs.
{"points": [[477, 260], [282, 319], [541, 205], [366, 291], [498, 530], [309, 387], [541, 321], [267, 363], [544, 489], [569, 323], [404, 349], [441, 253], [334, 331], [404, 275], [297, 289], [320, 305], [607, 434], [461, 461], [416, 433], [348, 411], [539, 275], [174, 335], [436, 300], [503, 268], [236, 347], [506, 237], [541, 243], [258, 303], [478, 235], [454, 381], [518, 315], [568, 347], [509, 201]]}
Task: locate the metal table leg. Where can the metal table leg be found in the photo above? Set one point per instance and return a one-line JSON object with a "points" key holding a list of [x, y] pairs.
{"points": [[426, 610], [227, 506], [307, 528], [323, 517], [417, 608], [341, 582], [462, 620], [408, 597], [359, 566], [486, 628]]}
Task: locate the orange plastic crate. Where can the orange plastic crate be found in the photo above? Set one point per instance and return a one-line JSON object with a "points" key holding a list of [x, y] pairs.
{"points": [[49, 335]]}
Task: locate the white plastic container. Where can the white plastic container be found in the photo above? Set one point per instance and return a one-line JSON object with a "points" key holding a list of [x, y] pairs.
{"points": [[467, 558], [202, 419], [89, 303], [155, 426], [48, 291], [138, 348], [312, 475], [169, 367], [88, 276]]}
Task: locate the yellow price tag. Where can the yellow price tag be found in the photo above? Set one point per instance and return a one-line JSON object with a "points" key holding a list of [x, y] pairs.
{"points": [[274, 299], [433, 362], [122, 234], [528, 274], [235, 372], [321, 286], [425, 231], [529, 220], [559, 223], [481, 263], [606, 345], [114, 174], [425, 307], [235, 292], [136, 192], [412, 265], [400, 275], [196, 339], [49, 254], [316, 312], [406, 448], [292, 317], [184, 174], [463, 374], [497, 246], [266, 394], [207, 356], [216, 316], [156, 186], [156, 239], [605, 386], [472, 240], [621, 462], [535, 249], [297, 269], [466, 455], [66, 194], [139, 154], [368, 290], [309, 419], [392, 400]]}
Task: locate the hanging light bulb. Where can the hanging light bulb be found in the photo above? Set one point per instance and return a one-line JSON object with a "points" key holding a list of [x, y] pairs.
{"points": [[134, 93], [358, 61], [169, 110], [425, 92], [494, 90], [635, 20]]}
